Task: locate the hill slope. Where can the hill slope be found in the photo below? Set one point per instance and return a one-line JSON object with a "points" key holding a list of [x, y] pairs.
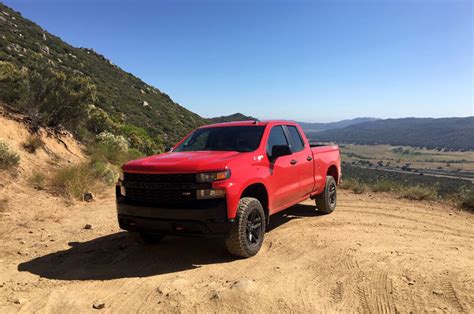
{"points": [[317, 127], [233, 117], [86, 81], [450, 133]]}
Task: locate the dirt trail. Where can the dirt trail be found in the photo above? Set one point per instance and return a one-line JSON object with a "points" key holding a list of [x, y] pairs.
{"points": [[375, 253]]}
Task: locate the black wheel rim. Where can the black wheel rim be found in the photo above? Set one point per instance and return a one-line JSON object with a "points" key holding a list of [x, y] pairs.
{"points": [[254, 228], [332, 194]]}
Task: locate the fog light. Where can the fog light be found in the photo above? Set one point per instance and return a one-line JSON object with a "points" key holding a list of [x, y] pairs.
{"points": [[211, 193]]}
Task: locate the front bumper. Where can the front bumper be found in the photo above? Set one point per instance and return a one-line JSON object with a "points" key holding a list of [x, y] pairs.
{"points": [[205, 218]]}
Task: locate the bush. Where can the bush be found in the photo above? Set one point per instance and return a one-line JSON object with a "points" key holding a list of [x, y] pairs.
{"points": [[73, 181], [467, 200], [385, 186], [37, 180], [8, 159], [419, 193], [113, 149], [33, 142], [353, 185]]}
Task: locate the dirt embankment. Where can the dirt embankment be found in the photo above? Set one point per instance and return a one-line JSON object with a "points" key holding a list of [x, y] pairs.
{"points": [[375, 253]]}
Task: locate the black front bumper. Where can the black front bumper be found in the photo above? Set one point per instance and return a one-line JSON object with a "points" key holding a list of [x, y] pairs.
{"points": [[204, 218]]}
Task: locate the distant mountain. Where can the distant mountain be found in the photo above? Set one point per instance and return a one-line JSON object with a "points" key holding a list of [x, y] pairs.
{"points": [[82, 90], [233, 117], [448, 133], [318, 127]]}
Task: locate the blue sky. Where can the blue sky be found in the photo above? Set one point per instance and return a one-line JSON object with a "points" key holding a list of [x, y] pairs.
{"points": [[315, 61]]}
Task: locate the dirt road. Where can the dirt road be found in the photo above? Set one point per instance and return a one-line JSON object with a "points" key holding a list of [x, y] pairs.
{"points": [[375, 253]]}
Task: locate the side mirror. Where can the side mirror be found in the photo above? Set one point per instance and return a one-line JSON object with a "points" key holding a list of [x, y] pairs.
{"points": [[168, 149], [279, 151]]}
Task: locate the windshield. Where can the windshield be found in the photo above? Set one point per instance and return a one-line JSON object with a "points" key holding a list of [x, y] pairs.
{"points": [[230, 138]]}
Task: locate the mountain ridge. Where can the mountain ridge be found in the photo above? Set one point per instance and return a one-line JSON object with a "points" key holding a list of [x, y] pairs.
{"points": [[438, 133]]}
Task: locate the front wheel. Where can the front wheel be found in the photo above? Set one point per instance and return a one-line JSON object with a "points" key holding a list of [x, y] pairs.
{"points": [[246, 236], [326, 201]]}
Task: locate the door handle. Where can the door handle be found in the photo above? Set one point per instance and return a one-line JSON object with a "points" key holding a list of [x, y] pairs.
{"points": [[293, 162], [309, 158]]}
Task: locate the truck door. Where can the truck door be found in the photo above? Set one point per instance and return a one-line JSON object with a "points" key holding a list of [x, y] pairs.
{"points": [[304, 161], [283, 176]]}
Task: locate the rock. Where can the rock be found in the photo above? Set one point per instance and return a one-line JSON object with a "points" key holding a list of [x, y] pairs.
{"points": [[20, 301], [22, 242], [88, 227], [3, 19], [215, 295], [242, 284], [88, 197], [437, 292], [44, 36], [145, 103], [98, 305]]}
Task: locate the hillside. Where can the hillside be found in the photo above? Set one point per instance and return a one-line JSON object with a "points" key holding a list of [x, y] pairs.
{"points": [[443, 133], [82, 90], [318, 127], [233, 117]]}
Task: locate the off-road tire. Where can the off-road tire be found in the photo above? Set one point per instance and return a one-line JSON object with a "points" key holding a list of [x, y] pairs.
{"points": [[326, 201], [151, 238], [249, 215]]}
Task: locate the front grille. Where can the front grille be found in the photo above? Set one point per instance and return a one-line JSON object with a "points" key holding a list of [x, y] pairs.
{"points": [[166, 178], [162, 190]]}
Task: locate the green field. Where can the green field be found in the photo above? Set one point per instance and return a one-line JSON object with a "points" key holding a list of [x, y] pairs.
{"points": [[409, 158]]}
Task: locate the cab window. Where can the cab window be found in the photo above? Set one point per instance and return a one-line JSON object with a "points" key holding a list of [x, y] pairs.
{"points": [[276, 137], [296, 141]]}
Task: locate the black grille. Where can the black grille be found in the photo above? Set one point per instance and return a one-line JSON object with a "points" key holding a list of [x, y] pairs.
{"points": [[166, 178], [159, 190]]}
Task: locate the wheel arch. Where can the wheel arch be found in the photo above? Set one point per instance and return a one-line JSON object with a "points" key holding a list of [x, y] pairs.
{"points": [[333, 172], [259, 191]]}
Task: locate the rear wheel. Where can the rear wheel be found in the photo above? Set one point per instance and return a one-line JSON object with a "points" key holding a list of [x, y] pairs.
{"points": [[247, 233], [326, 201]]}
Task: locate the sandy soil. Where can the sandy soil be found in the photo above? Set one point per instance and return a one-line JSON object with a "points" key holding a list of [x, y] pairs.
{"points": [[375, 253]]}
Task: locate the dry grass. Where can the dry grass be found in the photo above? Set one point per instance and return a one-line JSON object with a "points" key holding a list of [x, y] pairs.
{"points": [[75, 180], [32, 143], [8, 159], [37, 180], [419, 193], [353, 185]]}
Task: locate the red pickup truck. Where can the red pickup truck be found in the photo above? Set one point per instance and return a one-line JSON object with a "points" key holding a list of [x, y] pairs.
{"points": [[227, 179]]}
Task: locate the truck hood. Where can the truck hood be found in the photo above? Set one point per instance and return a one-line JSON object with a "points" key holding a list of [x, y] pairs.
{"points": [[182, 162]]}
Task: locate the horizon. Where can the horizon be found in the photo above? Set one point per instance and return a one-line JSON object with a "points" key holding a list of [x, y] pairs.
{"points": [[423, 54]]}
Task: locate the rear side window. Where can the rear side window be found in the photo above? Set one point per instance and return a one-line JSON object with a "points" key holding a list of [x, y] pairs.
{"points": [[276, 137], [297, 143]]}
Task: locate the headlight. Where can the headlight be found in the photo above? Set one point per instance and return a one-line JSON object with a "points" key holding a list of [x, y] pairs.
{"points": [[213, 176]]}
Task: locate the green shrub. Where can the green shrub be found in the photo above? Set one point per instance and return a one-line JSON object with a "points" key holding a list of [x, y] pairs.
{"points": [[37, 180], [419, 193], [111, 148], [8, 159], [32, 143]]}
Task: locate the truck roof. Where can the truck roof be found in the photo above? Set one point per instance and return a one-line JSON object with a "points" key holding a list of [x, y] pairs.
{"points": [[249, 123]]}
